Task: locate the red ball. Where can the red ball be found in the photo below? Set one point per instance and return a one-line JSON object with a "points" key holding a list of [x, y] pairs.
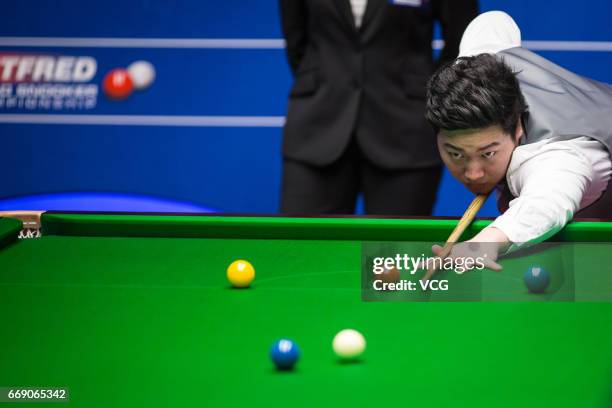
{"points": [[117, 84], [389, 275]]}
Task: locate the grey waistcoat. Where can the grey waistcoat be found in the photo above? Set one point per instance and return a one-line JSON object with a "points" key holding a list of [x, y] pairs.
{"points": [[560, 103]]}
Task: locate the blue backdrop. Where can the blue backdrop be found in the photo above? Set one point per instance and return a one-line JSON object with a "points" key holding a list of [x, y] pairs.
{"points": [[208, 131]]}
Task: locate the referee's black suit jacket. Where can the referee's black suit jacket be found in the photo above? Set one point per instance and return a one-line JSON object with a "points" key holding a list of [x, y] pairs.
{"points": [[368, 82]]}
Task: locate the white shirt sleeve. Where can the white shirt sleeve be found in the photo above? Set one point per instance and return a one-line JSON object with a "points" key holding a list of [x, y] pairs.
{"points": [[490, 32], [552, 180]]}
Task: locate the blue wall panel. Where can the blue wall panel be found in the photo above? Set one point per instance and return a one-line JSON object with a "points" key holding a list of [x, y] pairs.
{"points": [[231, 169], [142, 18]]}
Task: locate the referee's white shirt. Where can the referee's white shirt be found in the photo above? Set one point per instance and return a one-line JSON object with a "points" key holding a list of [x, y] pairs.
{"points": [[358, 7]]}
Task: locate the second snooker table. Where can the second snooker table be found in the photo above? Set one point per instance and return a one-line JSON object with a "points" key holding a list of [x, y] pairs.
{"points": [[135, 311]]}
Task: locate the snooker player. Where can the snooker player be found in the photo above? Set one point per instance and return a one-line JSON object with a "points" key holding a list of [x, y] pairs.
{"points": [[510, 120]]}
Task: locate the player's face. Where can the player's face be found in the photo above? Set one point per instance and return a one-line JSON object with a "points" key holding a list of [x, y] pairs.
{"points": [[478, 158]]}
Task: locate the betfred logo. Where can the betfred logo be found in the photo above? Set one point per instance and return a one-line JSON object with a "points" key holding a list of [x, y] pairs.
{"points": [[30, 82], [15, 68]]}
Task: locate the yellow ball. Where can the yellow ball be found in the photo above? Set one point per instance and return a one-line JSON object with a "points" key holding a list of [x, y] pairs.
{"points": [[240, 273]]}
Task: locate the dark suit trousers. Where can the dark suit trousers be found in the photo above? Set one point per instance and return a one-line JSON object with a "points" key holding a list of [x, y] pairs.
{"points": [[333, 189]]}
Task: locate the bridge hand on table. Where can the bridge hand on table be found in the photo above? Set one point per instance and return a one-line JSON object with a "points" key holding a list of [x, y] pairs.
{"points": [[485, 252]]}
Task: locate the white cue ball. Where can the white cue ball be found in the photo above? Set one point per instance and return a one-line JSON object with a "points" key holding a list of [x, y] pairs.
{"points": [[349, 344], [142, 74]]}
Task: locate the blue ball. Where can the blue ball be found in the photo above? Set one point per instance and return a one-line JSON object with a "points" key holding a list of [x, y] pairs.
{"points": [[284, 353], [536, 279]]}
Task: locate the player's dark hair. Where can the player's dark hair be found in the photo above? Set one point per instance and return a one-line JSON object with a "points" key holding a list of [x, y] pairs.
{"points": [[474, 93]]}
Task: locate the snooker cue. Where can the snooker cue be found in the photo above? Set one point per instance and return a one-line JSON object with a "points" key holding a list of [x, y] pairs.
{"points": [[464, 222]]}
